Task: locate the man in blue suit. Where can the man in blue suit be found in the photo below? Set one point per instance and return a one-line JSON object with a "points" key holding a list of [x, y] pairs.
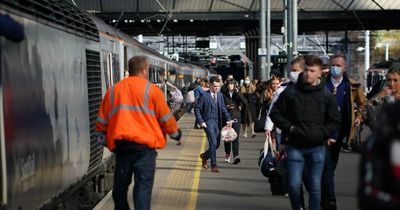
{"points": [[210, 110]]}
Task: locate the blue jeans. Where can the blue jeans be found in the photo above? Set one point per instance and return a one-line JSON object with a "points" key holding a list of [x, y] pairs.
{"points": [[142, 164], [214, 139], [312, 161]]}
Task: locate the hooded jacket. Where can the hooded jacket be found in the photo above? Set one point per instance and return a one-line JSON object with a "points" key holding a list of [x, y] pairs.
{"points": [[309, 114]]}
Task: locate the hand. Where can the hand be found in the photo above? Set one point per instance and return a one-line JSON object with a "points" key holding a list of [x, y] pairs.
{"points": [[267, 133], [357, 121], [387, 91], [331, 141], [178, 136], [229, 123], [282, 148], [203, 125]]}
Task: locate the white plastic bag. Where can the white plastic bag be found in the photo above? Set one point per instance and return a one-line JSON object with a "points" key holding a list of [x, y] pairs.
{"points": [[228, 134]]}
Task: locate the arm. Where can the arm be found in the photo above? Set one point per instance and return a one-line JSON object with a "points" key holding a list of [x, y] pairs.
{"points": [[198, 109], [102, 117], [243, 100], [333, 120], [360, 100], [268, 122], [278, 111], [223, 108]]}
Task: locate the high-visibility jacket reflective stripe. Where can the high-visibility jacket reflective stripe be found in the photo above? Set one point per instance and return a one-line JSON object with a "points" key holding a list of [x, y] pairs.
{"points": [[135, 110]]}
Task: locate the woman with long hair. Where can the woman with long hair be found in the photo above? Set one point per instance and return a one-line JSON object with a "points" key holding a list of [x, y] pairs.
{"points": [[234, 101], [249, 112]]}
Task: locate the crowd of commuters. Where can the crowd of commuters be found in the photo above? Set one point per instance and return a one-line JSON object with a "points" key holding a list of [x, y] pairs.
{"points": [[311, 117]]}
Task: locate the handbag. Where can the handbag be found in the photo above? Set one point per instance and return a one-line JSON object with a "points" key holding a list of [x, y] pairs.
{"points": [[267, 160], [228, 134]]}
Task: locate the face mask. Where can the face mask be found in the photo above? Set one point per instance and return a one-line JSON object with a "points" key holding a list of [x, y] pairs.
{"points": [[336, 71], [294, 75], [247, 82]]}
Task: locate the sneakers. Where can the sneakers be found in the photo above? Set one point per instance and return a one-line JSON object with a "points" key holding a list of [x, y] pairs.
{"points": [[236, 160], [253, 136], [346, 148], [227, 158], [245, 135]]}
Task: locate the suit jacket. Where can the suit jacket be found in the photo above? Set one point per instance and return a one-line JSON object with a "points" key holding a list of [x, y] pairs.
{"points": [[204, 105]]}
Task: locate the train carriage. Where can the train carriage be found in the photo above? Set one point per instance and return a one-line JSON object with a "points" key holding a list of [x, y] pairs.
{"points": [[51, 87]]}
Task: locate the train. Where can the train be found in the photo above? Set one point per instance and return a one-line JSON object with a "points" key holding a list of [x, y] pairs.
{"points": [[52, 84]]}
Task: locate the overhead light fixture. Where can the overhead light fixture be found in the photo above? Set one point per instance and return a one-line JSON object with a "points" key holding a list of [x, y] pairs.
{"points": [[142, 21], [114, 21], [126, 21], [175, 20], [158, 21], [191, 20]]}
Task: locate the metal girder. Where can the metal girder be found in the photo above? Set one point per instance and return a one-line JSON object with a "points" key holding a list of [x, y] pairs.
{"points": [[233, 4], [378, 4], [237, 23], [341, 6], [211, 4], [251, 5]]}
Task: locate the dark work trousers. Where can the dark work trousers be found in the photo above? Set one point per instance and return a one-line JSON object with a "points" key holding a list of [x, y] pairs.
{"points": [[235, 143], [214, 138], [331, 161], [142, 164]]}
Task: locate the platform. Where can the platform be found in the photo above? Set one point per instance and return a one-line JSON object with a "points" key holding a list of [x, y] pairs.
{"points": [[181, 182]]}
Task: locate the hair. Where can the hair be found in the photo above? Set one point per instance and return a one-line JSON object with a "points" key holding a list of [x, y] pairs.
{"points": [[214, 79], [298, 59], [137, 63], [394, 69], [312, 60], [339, 56], [269, 92]]}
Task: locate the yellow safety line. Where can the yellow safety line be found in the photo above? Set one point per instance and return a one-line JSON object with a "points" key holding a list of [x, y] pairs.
{"points": [[196, 179]]}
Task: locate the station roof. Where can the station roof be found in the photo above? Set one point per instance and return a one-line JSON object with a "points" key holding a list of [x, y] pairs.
{"points": [[208, 17]]}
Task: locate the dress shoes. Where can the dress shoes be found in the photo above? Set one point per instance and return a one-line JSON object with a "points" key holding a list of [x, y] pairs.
{"points": [[203, 161], [215, 169]]}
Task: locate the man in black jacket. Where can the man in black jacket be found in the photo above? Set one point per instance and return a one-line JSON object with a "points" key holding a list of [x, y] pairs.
{"points": [[308, 113]]}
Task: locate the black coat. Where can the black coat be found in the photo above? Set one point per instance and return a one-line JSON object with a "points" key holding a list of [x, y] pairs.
{"points": [[233, 102], [311, 110]]}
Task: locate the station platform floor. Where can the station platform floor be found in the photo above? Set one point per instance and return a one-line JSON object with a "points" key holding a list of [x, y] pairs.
{"points": [[181, 182]]}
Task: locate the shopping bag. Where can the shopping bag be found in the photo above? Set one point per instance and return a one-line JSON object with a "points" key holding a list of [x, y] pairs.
{"points": [[228, 134]]}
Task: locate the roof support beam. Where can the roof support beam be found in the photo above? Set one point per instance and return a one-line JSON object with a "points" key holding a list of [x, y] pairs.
{"points": [[211, 4], [337, 3], [251, 5], [233, 4], [348, 6], [173, 4], [378, 4]]}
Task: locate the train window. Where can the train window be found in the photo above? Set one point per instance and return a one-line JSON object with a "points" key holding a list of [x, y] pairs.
{"points": [[125, 58], [115, 70], [108, 70]]}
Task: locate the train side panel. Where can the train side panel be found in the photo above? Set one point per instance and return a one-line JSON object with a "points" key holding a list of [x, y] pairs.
{"points": [[46, 113]]}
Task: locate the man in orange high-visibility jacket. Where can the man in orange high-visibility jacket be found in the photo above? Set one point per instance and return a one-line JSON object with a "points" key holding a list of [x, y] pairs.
{"points": [[135, 119]]}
